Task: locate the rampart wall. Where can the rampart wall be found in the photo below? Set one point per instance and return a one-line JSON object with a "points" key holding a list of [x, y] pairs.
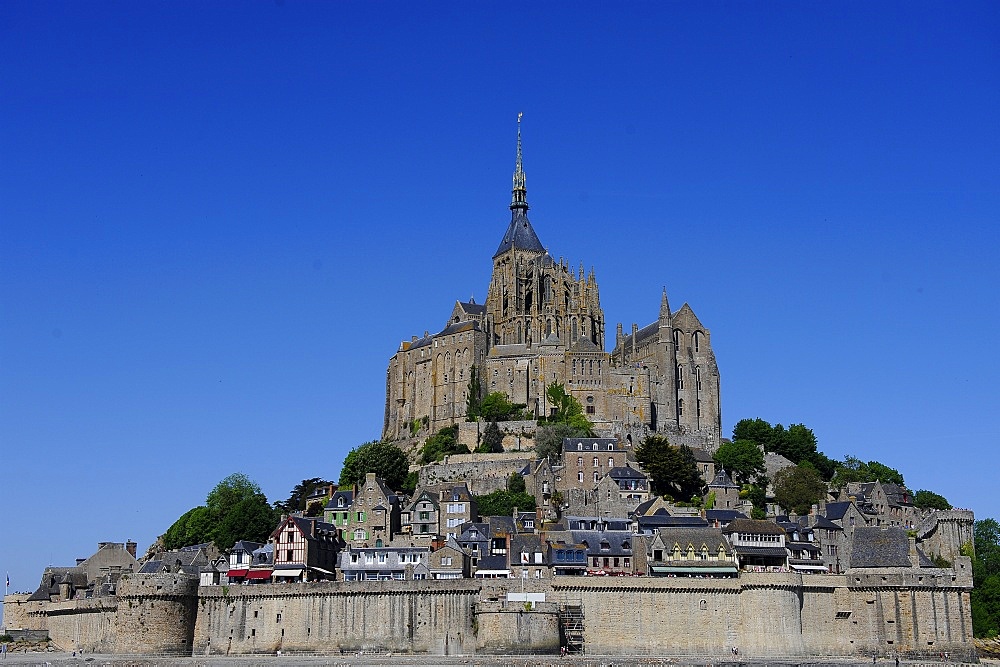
{"points": [[484, 473], [914, 612]]}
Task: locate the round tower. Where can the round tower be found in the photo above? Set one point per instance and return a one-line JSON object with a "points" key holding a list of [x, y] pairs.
{"points": [[156, 614]]}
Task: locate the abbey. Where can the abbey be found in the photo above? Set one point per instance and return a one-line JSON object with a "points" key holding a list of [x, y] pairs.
{"points": [[542, 322]]}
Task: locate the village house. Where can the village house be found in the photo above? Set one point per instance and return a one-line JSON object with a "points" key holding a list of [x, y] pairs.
{"points": [[587, 460], [527, 557], [805, 554], [450, 561], [566, 558], [420, 519], [240, 560], [374, 517], [400, 563], [759, 544], [338, 508], [701, 551], [305, 549]]}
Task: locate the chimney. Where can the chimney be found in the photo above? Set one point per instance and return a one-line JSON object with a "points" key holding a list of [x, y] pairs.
{"points": [[130, 547], [914, 557]]}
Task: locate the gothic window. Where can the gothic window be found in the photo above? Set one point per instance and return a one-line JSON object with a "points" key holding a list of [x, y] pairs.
{"points": [[680, 407], [697, 372], [573, 335], [680, 376], [697, 340], [677, 338]]}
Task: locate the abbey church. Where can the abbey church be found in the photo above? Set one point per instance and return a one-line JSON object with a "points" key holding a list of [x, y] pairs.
{"points": [[542, 322]]}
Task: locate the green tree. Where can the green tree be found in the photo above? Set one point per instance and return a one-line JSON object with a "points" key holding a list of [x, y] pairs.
{"points": [[673, 471], [925, 499], [496, 407], [193, 527], [986, 578], [235, 509], [549, 439], [853, 470], [441, 444], [503, 502], [251, 518], [755, 430], [385, 459], [515, 483], [492, 442], [298, 495], [566, 409], [743, 459], [797, 489], [474, 401]]}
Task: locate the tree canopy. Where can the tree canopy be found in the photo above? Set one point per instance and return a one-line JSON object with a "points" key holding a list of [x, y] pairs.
{"points": [[503, 502], [986, 578], [742, 459], [797, 443], [549, 438], [855, 470], [441, 444], [473, 402], [492, 441], [385, 459], [673, 471], [798, 489], [924, 499], [566, 410], [235, 509], [296, 501], [496, 407]]}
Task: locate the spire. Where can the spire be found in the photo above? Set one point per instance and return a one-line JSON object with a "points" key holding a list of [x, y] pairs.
{"points": [[519, 234], [519, 198], [664, 306]]}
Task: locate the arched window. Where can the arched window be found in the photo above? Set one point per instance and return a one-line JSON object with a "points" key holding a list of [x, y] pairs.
{"points": [[697, 340], [596, 462], [680, 376]]}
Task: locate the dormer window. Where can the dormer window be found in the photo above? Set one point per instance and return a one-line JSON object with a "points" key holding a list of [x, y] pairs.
{"points": [[340, 502]]}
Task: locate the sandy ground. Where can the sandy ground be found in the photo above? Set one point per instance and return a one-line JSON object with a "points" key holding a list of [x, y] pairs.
{"points": [[97, 660]]}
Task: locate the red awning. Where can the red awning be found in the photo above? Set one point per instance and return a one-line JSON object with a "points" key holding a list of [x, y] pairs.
{"points": [[259, 574], [238, 573]]}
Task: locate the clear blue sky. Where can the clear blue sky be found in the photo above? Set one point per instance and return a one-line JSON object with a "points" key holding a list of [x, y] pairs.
{"points": [[218, 220]]}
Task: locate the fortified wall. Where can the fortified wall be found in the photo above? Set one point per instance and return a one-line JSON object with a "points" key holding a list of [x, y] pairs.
{"points": [[911, 611], [944, 532]]}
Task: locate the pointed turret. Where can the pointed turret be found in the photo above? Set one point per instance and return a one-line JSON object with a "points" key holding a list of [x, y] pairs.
{"points": [[664, 306], [519, 234]]}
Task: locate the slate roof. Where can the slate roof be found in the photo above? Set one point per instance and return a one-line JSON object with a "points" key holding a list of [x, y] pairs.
{"points": [[701, 456], [722, 480], [348, 497], [880, 547], [587, 445], [585, 345], [697, 536], [837, 511], [492, 563], [665, 520], [248, 547], [754, 526], [625, 472], [520, 235], [641, 335], [760, 551], [472, 307], [826, 524], [724, 516], [618, 543]]}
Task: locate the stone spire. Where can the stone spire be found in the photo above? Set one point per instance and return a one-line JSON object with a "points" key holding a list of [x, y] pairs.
{"points": [[664, 306], [519, 195]]}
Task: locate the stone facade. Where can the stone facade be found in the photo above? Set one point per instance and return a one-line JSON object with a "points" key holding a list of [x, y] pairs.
{"points": [[542, 322]]}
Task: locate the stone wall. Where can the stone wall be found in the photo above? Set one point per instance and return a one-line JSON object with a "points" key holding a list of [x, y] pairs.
{"points": [[431, 617], [509, 628], [72, 625], [156, 614], [911, 611], [942, 533], [484, 473]]}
